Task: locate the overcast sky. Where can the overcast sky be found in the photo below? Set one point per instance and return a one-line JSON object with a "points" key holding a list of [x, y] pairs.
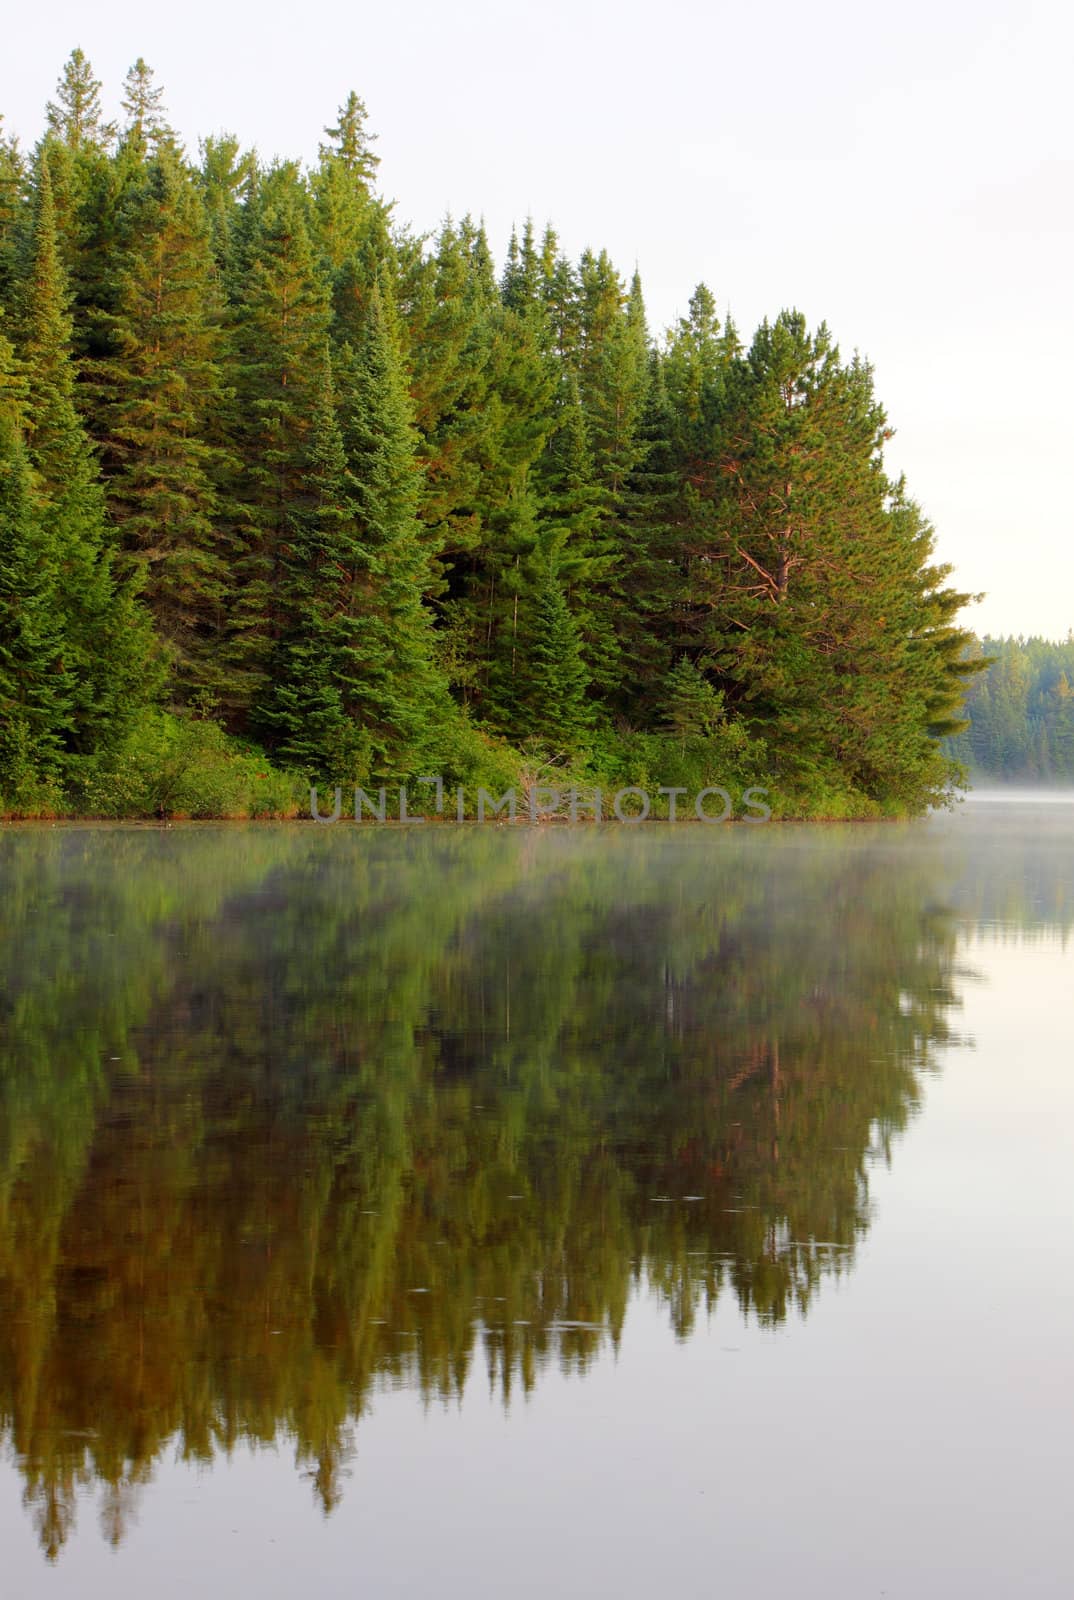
{"points": [[904, 172]]}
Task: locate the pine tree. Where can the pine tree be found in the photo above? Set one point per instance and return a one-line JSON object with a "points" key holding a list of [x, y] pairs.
{"points": [[281, 322], [302, 714], [561, 300], [12, 179], [145, 127], [352, 689], [105, 638], [226, 177], [521, 286], [695, 366], [811, 580], [350, 228], [390, 686], [447, 336], [576, 534], [614, 369], [35, 689], [556, 675], [75, 116], [694, 707], [486, 600], [337, 454], [158, 401], [350, 141]]}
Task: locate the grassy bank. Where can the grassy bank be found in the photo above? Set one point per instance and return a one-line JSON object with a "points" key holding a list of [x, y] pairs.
{"points": [[174, 767]]}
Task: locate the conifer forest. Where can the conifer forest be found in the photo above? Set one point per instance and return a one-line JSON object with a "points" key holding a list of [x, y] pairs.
{"points": [[1020, 713], [290, 494]]}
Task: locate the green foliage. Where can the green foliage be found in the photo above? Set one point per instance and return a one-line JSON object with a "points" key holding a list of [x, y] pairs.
{"points": [[171, 766], [158, 399], [370, 496], [694, 707], [554, 673], [75, 115], [349, 1086], [1019, 711], [24, 790]]}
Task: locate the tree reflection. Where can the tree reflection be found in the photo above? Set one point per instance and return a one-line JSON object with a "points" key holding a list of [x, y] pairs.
{"points": [[286, 1114]]}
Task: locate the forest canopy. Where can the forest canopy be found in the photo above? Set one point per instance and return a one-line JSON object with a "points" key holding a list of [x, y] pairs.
{"points": [[291, 494], [1020, 712]]}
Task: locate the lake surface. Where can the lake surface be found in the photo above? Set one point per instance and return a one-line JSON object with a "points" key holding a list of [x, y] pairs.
{"points": [[619, 1211]]}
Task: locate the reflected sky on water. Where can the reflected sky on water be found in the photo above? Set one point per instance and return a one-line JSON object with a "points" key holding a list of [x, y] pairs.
{"points": [[484, 1211]]}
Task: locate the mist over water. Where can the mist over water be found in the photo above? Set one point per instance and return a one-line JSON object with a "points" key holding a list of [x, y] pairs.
{"points": [[497, 1210]]}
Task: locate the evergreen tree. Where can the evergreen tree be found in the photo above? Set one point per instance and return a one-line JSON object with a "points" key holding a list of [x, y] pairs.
{"points": [[811, 577], [353, 688], [302, 713], [336, 453], [105, 638], [695, 366], [577, 536], [35, 690], [75, 116], [486, 603], [145, 127], [521, 286], [12, 179], [158, 401], [614, 369], [561, 301], [447, 336], [350, 141], [389, 684], [646, 604], [227, 177], [694, 707], [281, 322], [556, 676]]}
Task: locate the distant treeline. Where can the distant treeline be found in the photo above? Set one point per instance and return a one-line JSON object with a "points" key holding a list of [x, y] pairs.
{"points": [[274, 468], [1021, 711]]}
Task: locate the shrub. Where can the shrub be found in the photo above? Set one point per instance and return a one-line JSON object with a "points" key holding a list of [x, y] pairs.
{"points": [[179, 766]]}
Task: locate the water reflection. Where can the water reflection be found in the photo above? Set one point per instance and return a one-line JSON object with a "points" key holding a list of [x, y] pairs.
{"points": [[286, 1113]]}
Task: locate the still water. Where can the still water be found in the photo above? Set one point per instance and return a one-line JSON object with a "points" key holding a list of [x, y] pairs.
{"points": [[489, 1212]]}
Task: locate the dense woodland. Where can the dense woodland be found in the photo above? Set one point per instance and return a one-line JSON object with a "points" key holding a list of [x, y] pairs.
{"points": [[286, 489], [1021, 712]]}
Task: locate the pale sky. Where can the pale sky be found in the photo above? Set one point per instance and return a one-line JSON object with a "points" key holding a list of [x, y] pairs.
{"points": [[904, 172]]}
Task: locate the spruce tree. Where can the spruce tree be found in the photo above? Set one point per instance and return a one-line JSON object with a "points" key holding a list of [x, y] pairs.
{"points": [[694, 370], [158, 400], [226, 177], [280, 325], [577, 535], [145, 127], [389, 683], [35, 688], [350, 141], [694, 707], [105, 639], [556, 675], [12, 179], [75, 116], [353, 692], [447, 335], [614, 369], [301, 714]]}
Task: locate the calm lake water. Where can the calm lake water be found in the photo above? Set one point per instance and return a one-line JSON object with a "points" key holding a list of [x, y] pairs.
{"points": [[498, 1212]]}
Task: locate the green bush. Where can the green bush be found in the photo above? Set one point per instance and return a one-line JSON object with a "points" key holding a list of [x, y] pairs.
{"points": [[726, 757], [24, 790], [183, 767]]}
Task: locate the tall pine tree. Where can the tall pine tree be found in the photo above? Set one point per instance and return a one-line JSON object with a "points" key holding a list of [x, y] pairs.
{"points": [[159, 399]]}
